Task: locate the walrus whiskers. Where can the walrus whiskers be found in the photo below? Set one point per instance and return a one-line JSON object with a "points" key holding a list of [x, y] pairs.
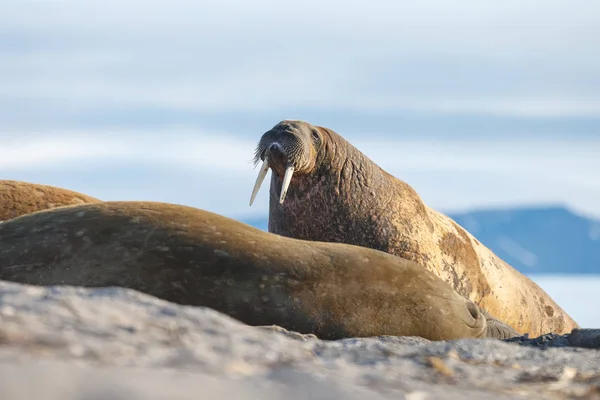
{"points": [[259, 179], [262, 173], [283, 151]]}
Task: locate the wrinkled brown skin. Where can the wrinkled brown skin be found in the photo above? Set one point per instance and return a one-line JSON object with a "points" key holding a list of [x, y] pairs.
{"points": [[19, 198], [194, 257], [337, 194]]}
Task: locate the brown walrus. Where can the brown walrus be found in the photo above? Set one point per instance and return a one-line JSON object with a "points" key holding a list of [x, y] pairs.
{"points": [[194, 257], [324, 189], [18, 198]]}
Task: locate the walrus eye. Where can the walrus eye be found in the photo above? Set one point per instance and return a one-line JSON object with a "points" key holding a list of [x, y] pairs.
{"points": [[315, 136]]}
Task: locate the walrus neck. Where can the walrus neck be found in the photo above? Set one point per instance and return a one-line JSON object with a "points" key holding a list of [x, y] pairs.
{"points": [[348, 170], [342, 188]]}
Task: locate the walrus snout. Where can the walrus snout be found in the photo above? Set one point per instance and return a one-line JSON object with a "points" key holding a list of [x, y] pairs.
{"points": [[278, 159], [286, 148], [274, 157]]}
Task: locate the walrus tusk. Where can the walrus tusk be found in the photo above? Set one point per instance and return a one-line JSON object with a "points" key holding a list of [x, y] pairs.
{"points": [[287, 178], [259, 179]]}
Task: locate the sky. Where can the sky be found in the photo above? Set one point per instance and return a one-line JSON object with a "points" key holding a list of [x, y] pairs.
{"points": [[474, 104]]}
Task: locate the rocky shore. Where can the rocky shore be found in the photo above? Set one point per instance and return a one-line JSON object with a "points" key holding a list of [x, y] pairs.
{"points": [[73, 343]]}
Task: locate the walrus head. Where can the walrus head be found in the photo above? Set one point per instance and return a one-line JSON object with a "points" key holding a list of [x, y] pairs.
{"points": [[287, 148]]}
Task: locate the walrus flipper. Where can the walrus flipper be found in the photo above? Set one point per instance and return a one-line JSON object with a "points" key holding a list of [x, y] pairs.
{"points": [[497, 329]]}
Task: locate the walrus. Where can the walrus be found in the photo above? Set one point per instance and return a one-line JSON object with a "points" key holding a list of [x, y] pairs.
{"points": [[18, 198], [194, 257], [324, 189]]}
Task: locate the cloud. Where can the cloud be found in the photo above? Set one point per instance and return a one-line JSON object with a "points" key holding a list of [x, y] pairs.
{"points": [[420, 20], [214, 171], [562, 161], [182, 149], [523, 58], [116, 98]]}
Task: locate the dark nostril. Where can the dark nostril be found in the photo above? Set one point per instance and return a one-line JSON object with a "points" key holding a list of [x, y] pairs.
{"points": [[473, 309]]}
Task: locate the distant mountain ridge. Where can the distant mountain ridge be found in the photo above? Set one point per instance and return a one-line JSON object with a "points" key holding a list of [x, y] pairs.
{"points": [[534, 240]]}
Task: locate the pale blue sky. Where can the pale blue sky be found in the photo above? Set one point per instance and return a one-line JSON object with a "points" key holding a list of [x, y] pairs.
{"points": [[473, 103]]}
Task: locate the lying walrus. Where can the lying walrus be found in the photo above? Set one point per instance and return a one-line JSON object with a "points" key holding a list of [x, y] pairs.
{"points": [[19, 198], [337, 194], [195, 257]]}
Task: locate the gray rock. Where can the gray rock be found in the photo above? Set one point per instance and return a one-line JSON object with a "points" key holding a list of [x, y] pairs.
{"points": [[108, 343]]}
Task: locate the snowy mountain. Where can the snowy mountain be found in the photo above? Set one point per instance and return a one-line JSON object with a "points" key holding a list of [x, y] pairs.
{"points": [[538, 239]]}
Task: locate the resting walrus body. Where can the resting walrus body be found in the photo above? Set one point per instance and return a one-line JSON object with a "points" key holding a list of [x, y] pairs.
{"points": [[194, 257], [334, 193], [19, 198]]}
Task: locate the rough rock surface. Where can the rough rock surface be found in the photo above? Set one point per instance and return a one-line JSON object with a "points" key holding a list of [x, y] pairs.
{"points": [[109, 343]]}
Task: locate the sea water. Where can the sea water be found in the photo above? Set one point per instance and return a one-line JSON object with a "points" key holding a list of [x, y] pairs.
{"points": [[578, 295]]}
